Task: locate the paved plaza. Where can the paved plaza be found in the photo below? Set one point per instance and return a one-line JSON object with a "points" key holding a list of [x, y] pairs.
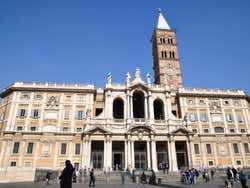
{"points": [[211, 184]]}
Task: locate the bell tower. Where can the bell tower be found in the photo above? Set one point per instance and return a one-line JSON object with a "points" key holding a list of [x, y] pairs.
{"points": [[165, 55]]}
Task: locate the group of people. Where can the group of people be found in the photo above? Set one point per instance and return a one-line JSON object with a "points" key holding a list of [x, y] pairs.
{"points": [[164, 167], [233, 176], [151, 180]]}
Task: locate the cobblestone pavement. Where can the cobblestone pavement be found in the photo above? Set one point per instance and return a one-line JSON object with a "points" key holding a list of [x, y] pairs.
{"points": [[211, 184]]}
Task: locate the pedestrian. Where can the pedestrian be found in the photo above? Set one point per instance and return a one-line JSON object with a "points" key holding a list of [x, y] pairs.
{"points": [[243, 179], [152, 178], [230, 176], [74, 177], [143, 178], [212, 173], [91, 178], [122, 177], [164, 167], [47, 177], [66, 175], [167, 168], [235, 173]]}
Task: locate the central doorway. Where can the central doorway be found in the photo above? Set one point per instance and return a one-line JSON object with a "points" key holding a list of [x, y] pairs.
{"points": [[140, 149], [181, 154], [97, 148], [118, 155]]}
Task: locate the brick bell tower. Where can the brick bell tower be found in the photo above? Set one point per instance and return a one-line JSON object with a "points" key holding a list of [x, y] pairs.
{"points": [[165, 55]]}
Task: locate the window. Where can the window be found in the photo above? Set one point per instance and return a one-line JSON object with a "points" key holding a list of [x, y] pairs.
{"points": [[30, 148], [66, 114], [190, 101], [210, 163], [63, 148], [194, 130], [246, 147], [238, 162], [236, 149], [77, 149], [203, 117], [80, 97], [219, 130], [209, 150], [201, 101], [22, 113], [68, 97], [13, 163], [170, 41], [196, 149], [35, 114], [78, 130], [172, 55], [162, 40], [65, 129], [79, 115], [229, 117], [98, 111], [226, 102], [236, 102], [164, 54], [192, 117], [239, 118], [242, 130], [232, 131], [25, 96], [38, 97], [206, 130], [16, 147], [19, 128], [33, 128]]}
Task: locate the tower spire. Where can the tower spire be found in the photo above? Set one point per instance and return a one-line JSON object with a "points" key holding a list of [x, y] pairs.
{"points": [[162, 23]]}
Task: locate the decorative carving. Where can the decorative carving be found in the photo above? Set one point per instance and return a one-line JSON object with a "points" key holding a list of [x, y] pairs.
{"points": [[148, 79], [128, 77], [215, 107], [53, 102]]}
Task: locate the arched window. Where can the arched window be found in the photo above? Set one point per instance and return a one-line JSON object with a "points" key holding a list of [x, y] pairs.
{"points": [[118, 108], [158, 109], [138, 104], [219, 130]]}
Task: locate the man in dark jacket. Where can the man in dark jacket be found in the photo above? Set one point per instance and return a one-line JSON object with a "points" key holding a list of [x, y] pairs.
{"points": [[66, 175]]}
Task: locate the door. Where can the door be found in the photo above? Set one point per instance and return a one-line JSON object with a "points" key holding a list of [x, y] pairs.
{"points": [[141, 160], [117, 160], [97, 159]]}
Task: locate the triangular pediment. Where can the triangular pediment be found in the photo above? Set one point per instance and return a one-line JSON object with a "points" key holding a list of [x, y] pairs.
{"points": [[138, 86], [182, 131], [97, 130]]}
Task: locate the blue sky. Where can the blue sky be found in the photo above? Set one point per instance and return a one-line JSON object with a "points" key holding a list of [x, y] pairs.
{"points": [[82, 40]]}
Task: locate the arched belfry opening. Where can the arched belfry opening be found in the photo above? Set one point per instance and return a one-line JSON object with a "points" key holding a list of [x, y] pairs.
{"points": [[118, 108], [138, 104], [158, 110]]}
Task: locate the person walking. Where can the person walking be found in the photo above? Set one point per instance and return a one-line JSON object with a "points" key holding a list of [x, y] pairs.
{"points": [[66, 175], [122, 177], [230, 176], [143, 178], [47, 177], [91, 178], [243, 179]]}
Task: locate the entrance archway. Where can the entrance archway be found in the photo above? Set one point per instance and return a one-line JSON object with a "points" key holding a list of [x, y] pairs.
{"points": [[138, 104], [181, 154]]}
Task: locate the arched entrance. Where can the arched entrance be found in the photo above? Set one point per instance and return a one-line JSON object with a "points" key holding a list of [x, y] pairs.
{"points": [[138, 105]]}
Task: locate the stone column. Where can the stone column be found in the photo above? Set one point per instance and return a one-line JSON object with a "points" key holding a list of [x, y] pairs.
{"points": [[153, 155], [88, 157], [204, 154], [3, 150], [55, 156], [129, 153], [231, 152], [173, 155], [132, 155], [105, 155], [151, 107], [243, 154], [190, 159], [131, 107], [70, 144], [125, 154], [169, 156], [215, 153], [84, 153], [149, 155], [109, 153], [146, 107]]}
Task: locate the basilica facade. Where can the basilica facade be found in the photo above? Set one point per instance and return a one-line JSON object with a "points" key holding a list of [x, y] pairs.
{"points": [[138, 124]]}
